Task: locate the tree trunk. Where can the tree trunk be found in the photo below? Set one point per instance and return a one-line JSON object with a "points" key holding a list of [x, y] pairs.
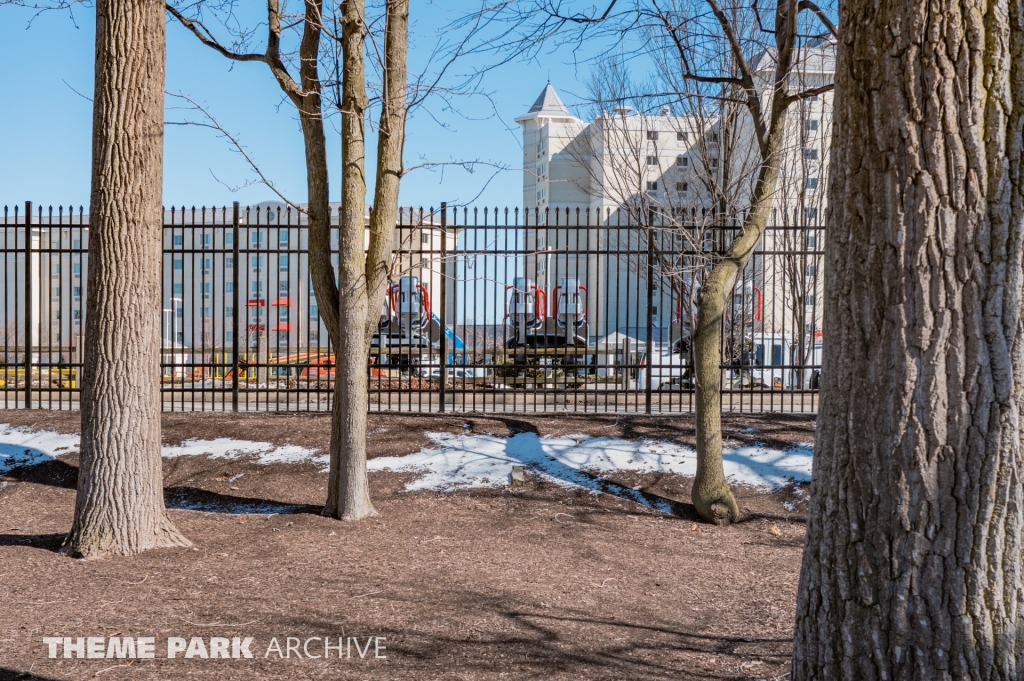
{"points": [[912, 566], [348, 493], [120, 508], [711, 494], [308, 103], [390, 143]]}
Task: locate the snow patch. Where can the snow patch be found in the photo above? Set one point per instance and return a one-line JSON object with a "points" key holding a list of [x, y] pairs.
{"points": [[20, 447], [459, 461], [464, 461], [229, 448]]}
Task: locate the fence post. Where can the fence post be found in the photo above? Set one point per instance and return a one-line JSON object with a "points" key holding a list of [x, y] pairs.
{"points": [[234, 302], [444, 304], [29, 322], [650, 310]]}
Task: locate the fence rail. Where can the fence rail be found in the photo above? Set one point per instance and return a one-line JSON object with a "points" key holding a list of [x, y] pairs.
{"points": [[489, 311]]}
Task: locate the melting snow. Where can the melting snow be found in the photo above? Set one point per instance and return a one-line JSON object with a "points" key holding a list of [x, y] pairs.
{"points": [[229, 448], [460, 461], [25, 447], [457, 461]]}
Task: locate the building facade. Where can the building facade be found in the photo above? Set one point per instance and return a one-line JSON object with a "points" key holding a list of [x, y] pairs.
{"points": [[671, 187]]}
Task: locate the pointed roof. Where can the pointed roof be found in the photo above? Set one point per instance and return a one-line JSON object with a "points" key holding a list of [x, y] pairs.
{"points": [[548, 105]]}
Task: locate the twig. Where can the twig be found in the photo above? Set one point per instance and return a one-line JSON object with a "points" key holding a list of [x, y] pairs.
{"points": [[215, 125], [368, 594], [134, 583], [116, 666]]}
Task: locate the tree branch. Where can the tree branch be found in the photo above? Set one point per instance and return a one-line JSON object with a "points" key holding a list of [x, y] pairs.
{"points": [[215, 125], [812, 92], [822, 17], [200, 31]]}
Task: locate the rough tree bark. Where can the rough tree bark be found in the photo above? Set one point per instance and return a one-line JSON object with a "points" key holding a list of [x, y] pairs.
{"points": [[120, 505], [912, 567], [364, 268]]}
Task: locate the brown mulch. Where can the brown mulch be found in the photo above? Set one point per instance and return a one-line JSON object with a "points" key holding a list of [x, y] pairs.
{"points": [[537, 583]]}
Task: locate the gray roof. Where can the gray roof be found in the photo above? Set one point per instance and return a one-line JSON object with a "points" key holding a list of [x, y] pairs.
{"points": [[548, 105]]}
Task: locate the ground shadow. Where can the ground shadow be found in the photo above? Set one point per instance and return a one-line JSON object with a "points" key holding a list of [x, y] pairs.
{"points": [[196, 499], [48, 542], [535, 643], [550, 466], [15, 675], [39, 467]]}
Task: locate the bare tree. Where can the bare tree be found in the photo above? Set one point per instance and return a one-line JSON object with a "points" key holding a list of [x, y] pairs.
{"points": [[726, 53], [767, 105], [120, 506], [912, 564], [363, 273], [671, 207]]}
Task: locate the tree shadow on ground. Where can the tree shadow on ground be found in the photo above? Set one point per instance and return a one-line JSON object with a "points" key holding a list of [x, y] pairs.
{"points": [[581, 477], [47, 542], [183, 498], [528, 642], [7, 674], [50, 472]]}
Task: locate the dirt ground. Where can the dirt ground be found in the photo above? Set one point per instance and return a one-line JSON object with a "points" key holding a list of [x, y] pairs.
{"points": [[541, 582]]}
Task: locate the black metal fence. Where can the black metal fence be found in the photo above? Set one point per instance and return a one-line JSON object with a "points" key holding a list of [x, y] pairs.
{"points": [[489, 311]]}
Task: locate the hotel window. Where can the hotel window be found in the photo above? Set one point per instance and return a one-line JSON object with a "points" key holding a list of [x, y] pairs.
{"points": [[652, 160], [652, 135]]}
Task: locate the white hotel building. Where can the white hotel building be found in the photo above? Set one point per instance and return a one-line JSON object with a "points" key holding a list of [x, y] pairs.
{"points": [[622, 166]]}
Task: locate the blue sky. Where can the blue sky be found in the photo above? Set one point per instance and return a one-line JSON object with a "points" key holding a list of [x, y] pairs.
{"points": [[45, 119]]}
